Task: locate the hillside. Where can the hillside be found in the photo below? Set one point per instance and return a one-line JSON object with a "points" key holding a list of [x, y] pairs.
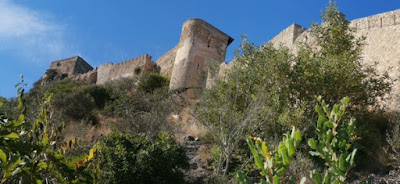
{"points": [[310, 104]]}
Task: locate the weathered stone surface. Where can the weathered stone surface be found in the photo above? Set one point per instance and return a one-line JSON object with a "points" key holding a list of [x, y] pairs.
{"points": [[130, 68], [90, 76], [186, 64], [199, 45], [71, 66], [166, 62], [381, 49], [64, 68]]}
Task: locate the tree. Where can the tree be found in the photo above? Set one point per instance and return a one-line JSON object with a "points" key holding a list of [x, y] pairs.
{"points": [[238, 106], [334, 69], [270, 90]]}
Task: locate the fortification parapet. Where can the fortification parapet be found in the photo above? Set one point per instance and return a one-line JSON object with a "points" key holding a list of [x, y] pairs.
{"points": [[381, 50], [129, 68], [381, 20], [288, 36]]}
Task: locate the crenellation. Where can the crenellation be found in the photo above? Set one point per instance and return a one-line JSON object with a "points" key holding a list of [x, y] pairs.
{"points": [[381, 50], [130, 68], [202, 45], [377, 21]]}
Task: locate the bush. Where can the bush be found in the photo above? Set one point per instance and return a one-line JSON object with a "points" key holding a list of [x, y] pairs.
{"points": [[152, 81], [125, 158], [99, 94], [76, 105], [31, 152], [334, 143]]}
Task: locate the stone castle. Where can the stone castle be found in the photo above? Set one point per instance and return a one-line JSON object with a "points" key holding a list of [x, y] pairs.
{"points": [[201, 45], [185, 65]]}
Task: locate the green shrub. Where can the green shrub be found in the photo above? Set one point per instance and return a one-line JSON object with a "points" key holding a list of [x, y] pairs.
{"points": [[76, 105], [273, 164], [334, 143], [152, 81], [31, 152], [125, 158], [60, 87], [99, 94]]}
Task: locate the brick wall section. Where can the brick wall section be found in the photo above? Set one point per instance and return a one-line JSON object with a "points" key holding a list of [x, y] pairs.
{"points": [[130, 68]]}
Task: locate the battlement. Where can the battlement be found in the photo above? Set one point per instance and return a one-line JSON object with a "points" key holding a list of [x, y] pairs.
{"points": [[288, 36], [133, 67], [200, 43], [381, 20], [382, 43]]}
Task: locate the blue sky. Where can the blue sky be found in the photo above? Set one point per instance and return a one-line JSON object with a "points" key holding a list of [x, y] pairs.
{"points": [[33, 33]]}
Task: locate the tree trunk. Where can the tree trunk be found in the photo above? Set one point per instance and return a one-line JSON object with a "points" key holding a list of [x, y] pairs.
{"points": [[219, 162], [228, 160]]}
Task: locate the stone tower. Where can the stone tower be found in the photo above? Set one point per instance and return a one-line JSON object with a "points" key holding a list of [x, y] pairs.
{"points": [[200, 45]]}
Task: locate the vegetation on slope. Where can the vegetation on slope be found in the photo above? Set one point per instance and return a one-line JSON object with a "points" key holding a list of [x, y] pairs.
{"points": [[119, 132]]}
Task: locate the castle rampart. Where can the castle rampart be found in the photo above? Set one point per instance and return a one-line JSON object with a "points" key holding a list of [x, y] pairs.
{"points": [[185, 64], [200, 44], [288, 36], [71, 66], [381, 50], [129, 68], [381, 20]]}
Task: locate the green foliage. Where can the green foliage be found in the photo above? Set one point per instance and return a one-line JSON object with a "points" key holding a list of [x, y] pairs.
{"points": [[142, 112], [334, 70], [273, 90], [76, 105], [152, 81], [31, 153], [99, 94], [125, 158], [334, 142], [272, 165]]}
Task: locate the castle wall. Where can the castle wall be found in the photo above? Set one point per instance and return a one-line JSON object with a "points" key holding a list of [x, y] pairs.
{"points": [[130, 68], [288, 36], [71, 66], [90, 77], [166, 62], [200, 44], [381, 48]]}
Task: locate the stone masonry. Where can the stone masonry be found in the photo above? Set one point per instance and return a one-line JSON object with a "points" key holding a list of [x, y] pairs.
{"points": [[201, 45], [382, 46], [186, 64]]}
